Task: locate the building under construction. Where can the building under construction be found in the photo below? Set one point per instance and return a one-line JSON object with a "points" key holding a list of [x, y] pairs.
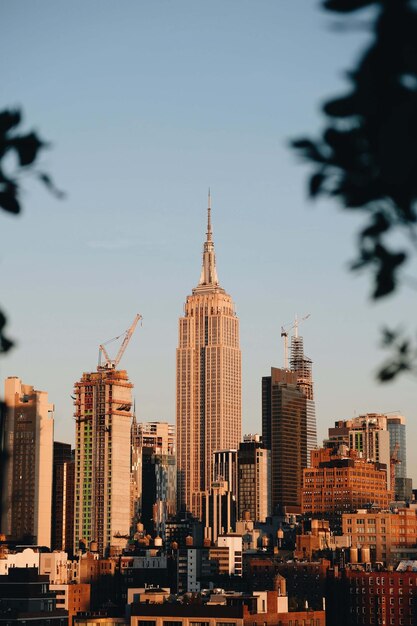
{"points": [[103, 401], [303, 367]]}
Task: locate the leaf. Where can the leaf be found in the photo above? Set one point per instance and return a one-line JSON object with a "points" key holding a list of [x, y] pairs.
{"points": [[316, 182], [342, 107], [9, 119], [345, 6], [390, 371], [27, 147], [380, 225], [387, 373], [310, 149], [404, 348], [9, 202], [5, 343], [388, 336], [49, 183]]}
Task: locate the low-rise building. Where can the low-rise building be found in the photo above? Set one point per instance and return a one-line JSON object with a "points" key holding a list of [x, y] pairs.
{"points": [[74, 598], [52, 564], [26, 598], [226, 609], [319, 539], [385, 533], [228, 554], [371, 597]]}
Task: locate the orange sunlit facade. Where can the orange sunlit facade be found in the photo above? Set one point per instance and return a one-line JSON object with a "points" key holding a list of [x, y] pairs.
{"points": [[340, 484]]}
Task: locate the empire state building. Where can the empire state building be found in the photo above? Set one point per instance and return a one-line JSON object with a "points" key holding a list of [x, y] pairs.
{"points": [[208, 381]]}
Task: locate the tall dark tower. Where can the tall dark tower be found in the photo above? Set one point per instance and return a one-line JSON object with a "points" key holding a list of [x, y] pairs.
{"points": [[284, 432]]}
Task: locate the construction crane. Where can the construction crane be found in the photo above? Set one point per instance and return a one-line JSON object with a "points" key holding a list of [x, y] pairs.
{"points": [[111, 364], [284, 333]]}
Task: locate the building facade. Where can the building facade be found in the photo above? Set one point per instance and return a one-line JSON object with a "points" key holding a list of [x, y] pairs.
{"points": [[284, 432], [367, 435], [303, 367], [384, 533], [63, 498], [382, 598], [225, 469], [103, 401], [208, 381], [219, 507], [340, 484], [397, 433], [28, 451], [154, 475], [254, 480]]}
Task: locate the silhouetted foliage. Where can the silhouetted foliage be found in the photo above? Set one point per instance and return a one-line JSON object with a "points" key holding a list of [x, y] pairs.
{"points": [[25, 148], [367, 154], [404, 355]]}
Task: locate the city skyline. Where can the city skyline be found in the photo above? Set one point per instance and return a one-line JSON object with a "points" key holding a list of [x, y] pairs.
{"points": [[180, 117]]}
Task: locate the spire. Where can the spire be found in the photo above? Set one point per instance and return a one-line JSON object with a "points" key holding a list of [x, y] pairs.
{"points": [[208, 272], [209, 231]]}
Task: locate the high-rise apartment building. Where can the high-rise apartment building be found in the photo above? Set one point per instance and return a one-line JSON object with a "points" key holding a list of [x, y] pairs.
{"points": [[28, 451], [208, 412], [103, 401], [284, 432], [154, 474], [397, 438], [63, 498], [254, 479], [378, 437]]}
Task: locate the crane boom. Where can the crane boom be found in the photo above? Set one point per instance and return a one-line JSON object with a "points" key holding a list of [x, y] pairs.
{"points": [[113, 363], [126, 340]]}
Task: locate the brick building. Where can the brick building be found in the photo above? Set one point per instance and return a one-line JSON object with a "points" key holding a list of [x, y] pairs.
{"points": [[383, 598], [383, 532], [338, 484]]}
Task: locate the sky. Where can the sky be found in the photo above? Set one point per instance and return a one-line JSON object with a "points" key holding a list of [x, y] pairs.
{"points": [[146, 104]]}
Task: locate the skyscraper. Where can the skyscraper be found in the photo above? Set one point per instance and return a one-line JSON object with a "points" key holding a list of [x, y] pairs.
{"points": [[397, 439], [154, 474], [302, 366], [103, 401], [284, 432], [254, 479], [208, 411], [28, 448]]}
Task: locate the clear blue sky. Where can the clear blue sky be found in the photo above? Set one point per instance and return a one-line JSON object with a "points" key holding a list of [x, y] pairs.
{"points": [[147, 104]]}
